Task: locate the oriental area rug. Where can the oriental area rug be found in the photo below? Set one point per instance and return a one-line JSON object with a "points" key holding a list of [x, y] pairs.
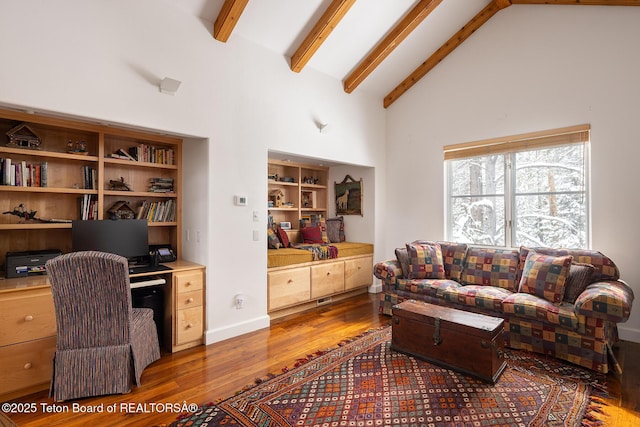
{"points": [[363, 382]]}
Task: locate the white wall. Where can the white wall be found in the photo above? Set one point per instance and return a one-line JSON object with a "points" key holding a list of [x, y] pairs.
{"points": [[103, 60], [529, 68]]}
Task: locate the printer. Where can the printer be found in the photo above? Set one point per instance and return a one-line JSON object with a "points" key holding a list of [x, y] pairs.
{"points": [[23, 264]]}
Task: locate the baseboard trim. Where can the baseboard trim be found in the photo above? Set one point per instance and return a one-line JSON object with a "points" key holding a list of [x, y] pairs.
{"points": [[628, 334], [220, 334]]}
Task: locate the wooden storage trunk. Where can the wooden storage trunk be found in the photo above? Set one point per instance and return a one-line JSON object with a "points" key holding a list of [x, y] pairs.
{"points": [[466, 342]]}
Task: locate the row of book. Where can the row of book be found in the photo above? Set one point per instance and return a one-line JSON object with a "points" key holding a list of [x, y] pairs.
{"points": [[146, 153], [88, 207], [161, 185], [23, 174], [164, 211], [89, 178]]}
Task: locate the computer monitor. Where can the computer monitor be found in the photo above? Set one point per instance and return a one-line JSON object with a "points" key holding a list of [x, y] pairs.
{"points": [[126, 237]]}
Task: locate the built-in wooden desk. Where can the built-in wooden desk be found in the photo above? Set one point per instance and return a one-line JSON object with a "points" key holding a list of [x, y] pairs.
{"points": [[28, 324]]}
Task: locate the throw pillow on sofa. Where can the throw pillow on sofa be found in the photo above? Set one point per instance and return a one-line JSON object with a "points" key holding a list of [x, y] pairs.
{"points": [[425, 260], [320, 223], [545, 276], [579, 277], [403, 259]]}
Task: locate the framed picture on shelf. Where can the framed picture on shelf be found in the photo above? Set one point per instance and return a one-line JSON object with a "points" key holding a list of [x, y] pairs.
{"points": [[285, 225]]}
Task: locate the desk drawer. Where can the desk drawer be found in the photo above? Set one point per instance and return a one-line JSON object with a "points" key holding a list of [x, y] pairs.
{"points": [[189, 325], [26, 316], [189, 281], [189, 299], [26, 365]]}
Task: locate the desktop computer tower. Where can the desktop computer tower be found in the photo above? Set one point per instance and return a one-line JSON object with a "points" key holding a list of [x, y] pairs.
{"points": [[151, 297]]}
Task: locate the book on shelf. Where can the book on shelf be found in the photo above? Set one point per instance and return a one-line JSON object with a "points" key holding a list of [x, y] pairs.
{"points": [[21, 173], [89, 178], [161, 185], [153, 154], [162, 211], [88, 207]]}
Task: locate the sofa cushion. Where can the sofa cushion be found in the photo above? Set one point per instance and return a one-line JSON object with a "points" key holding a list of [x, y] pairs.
{"points": [[429, 287], [425, 261], [533, 307], [545, 276], [605, 268], [577, 281], [480, 296], [335, 229], [453, 256], [491, 267]]}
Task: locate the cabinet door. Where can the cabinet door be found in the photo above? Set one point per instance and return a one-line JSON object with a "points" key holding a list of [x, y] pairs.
{"points": [[288, 287], [327, 279], [26, 316], [358, 272]]}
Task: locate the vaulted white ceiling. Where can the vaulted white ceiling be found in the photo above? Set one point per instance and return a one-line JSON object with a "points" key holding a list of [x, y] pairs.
{"points": [[282, 26]]}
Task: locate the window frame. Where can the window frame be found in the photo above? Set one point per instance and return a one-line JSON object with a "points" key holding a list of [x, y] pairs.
{"points": [[509, 146]]}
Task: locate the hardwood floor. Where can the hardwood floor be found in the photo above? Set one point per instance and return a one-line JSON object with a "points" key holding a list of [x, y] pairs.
{"points": [[209, 373]]}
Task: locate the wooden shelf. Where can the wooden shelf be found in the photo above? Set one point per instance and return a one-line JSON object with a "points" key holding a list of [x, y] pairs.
{"points": [[297, 192], [60, 199], [12, 188]]}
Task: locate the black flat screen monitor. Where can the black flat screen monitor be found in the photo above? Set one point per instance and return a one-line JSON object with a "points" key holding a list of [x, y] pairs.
{"points": [[126, 237]]}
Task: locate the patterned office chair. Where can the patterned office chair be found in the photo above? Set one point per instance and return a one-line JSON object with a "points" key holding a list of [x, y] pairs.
{"points": [[103, 344]]}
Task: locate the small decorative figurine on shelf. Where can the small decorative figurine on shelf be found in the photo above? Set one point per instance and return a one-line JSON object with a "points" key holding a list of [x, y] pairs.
{"points": [[119, 185], [79, 147], [23, 136], [22, 212]]}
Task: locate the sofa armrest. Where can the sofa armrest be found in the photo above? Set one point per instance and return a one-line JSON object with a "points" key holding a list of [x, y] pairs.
{"points": [[609, 300], [388, 271]]}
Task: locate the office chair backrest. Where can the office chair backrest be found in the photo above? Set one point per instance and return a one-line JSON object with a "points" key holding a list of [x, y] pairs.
{"points": [[92, 297]]}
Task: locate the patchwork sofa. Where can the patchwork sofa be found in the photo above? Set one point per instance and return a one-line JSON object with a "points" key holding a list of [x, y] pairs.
{"points": [[564, 303]]}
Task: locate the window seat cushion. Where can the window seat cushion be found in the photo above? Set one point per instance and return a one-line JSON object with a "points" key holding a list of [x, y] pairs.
{"points": [[290, 256]]}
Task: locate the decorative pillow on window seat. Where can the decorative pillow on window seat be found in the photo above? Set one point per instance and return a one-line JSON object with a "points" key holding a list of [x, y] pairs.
{"points": [[425, 260], [283, 236], [545, 276], [320, 223], [311, 235], [335, 229], [273, 242]]}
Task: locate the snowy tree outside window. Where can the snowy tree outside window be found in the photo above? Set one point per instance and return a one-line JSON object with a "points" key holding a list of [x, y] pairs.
{"points": [[515, 196]]}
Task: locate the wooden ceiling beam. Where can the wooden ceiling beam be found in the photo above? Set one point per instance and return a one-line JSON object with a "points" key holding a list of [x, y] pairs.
{"points": [[319, 33], [408, 23], [581, 2], [450, 45], [228, 18]]}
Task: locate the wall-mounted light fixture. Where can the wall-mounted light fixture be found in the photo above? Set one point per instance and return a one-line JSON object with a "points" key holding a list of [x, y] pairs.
{"points": [[169, 86], [322, 127]]}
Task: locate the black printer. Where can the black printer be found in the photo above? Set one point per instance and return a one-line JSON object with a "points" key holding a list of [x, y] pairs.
{"points": [[23, 264]]}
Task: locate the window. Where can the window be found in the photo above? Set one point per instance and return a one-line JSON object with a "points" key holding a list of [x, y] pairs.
{"points": [[525, 190]]}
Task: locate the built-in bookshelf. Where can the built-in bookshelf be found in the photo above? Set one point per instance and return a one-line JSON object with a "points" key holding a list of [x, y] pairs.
{"points": [[302, 189], [72, 170]]}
